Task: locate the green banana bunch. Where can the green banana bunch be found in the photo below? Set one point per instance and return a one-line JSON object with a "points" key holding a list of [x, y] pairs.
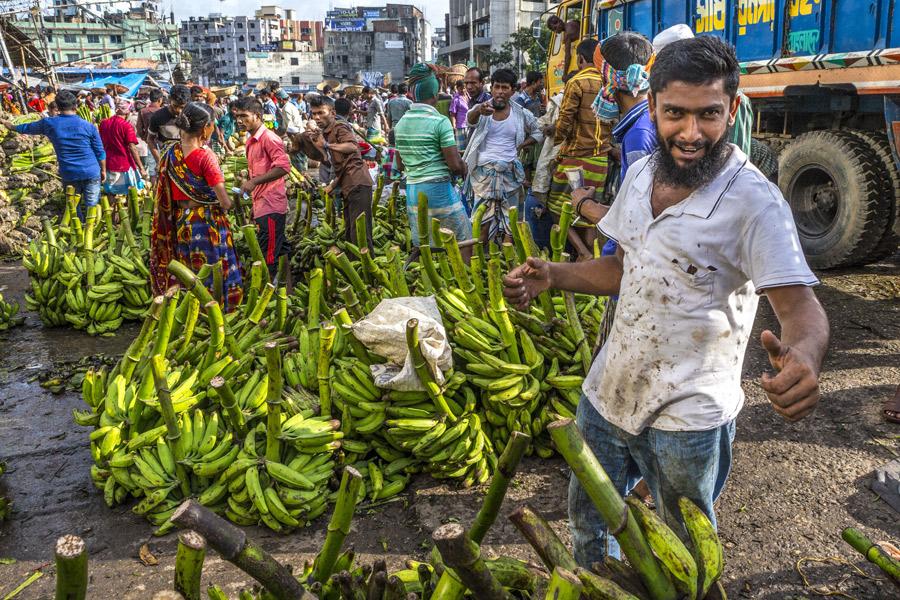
{"points": [[9, 314]]}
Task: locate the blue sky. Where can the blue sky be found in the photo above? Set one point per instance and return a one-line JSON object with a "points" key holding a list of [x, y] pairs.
{"points": [[306, 9]]}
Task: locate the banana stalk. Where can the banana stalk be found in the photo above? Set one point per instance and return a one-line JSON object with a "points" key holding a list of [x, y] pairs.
{"points": [[229, 402], [189, 564], [543, 539], [437, 242], [343, 320], [232, 544], [564, 585], [532, 249], [423, 369], [323, 368], [612, 508], [464, 556], [108, 219], [256, 253], [339, 526], [340, 261], [136, 349], [500, 313], [873, 553], [518, 242], [190, 282], [218, 282], [398, 286], [448, 585], [273, 402], [89, 244], [71, 568], [460, 273], [424, 243], [575, 325]]}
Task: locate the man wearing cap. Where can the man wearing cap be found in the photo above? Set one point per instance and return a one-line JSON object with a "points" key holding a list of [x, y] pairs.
{"points": [[293, 122]]}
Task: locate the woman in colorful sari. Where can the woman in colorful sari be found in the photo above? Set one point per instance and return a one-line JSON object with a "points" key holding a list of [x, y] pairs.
{"points": [[189, 221]]}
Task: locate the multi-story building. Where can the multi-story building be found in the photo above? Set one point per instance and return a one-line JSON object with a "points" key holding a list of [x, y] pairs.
{"points": [[438, 41], [475, 26], [283, 22], [373, 45], [76, 36], [292, 69], [265, 47], [218, 46]]}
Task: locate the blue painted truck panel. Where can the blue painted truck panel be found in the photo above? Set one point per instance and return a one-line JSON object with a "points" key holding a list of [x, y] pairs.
{"points": [[757, 27]]}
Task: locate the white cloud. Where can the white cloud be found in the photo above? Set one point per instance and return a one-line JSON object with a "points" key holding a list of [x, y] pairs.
{"points": [[306, 9]]}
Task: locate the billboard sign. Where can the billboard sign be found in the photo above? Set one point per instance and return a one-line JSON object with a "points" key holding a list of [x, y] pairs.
{"points": [[345, 24], [393, 44], [370, 13]]}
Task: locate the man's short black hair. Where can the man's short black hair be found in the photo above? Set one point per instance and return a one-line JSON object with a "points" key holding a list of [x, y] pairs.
{"points": [[248, 104], [477, 70], [532, 77], [156, 95], [319, 100], [326, 89], [196, 90], [504, 76], [626, 48], [366, 90], [402, 89], [342, 106], [460, 83], [697, 61], [180, 94], [586, 49], [395, 88], [66, 100]]}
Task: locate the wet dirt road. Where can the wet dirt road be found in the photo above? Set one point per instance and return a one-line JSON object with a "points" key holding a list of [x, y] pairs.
{"points": [[792, 489]]}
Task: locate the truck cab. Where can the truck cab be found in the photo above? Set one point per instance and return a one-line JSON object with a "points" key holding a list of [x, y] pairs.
{"points": [[824, 80]]}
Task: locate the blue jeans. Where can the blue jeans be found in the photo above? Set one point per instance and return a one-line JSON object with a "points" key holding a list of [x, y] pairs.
{"points": [[694, 464], [89, 190]]}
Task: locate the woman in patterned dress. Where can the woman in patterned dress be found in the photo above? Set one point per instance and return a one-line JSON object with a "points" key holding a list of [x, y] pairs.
{"points": [[190, 223]]}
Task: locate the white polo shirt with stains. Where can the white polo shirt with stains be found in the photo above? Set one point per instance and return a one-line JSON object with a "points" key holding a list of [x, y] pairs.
{"points": [[689, 295]]}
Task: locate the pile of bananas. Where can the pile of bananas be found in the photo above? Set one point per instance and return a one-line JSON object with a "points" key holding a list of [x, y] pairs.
{"points": [[91, 277], [28, 159], [95, 116], [43, 260], [9, 314]]}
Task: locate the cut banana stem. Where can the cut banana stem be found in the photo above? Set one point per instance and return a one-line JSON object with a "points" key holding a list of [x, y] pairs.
{"points": [[503, 476], [71, 568], [273, 402], [229, 403], [189, 564], [543, 539], [232, 544], [564, 585], [612, 508], [464, 556], [323, 368], [423, 369], [339, 526], [874, 553]]}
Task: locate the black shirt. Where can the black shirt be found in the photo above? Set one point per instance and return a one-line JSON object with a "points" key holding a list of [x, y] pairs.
{"points": [[162, 123]]}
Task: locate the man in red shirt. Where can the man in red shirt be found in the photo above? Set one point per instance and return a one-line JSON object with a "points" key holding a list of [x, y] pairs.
{"points": [[123, 161], [267, 163]]}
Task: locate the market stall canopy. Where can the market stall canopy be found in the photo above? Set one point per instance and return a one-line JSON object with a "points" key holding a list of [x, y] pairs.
{"points": [[20, 44], [132, 81]]}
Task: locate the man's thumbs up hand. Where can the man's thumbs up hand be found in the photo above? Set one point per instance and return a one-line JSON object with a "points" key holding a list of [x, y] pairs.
{"points": [[794, 389]]}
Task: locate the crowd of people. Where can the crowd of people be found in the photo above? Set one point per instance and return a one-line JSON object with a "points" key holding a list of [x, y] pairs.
{"points": [[648, 143]]}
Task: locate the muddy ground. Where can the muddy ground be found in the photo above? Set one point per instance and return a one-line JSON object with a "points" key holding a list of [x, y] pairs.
{"points": [[792, 490]]}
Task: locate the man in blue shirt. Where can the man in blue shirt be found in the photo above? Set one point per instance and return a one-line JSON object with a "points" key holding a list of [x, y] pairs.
{"points": [[79, 151]]}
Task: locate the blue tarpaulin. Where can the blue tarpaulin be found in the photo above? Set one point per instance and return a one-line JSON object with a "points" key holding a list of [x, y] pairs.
{"points": [[132, 81]]}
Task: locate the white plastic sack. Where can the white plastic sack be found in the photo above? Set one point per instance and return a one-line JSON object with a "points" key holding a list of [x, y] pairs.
{"points": [[383, 331]]}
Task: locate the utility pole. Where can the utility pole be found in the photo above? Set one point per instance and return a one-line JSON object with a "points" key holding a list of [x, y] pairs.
{"points": [[38, 23], [471, 35], [13, 74]]}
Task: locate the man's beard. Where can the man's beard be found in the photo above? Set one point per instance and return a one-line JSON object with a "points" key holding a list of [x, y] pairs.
{"points": [[700, 171]]}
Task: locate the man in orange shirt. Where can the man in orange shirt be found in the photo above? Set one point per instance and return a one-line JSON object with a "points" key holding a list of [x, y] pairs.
{"points": [[268, 163]]}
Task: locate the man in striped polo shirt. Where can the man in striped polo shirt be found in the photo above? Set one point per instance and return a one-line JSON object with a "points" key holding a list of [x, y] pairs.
{"points": [[428, 154]]}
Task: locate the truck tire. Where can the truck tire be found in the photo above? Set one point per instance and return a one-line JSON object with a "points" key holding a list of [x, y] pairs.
{"points": [[835, 187], [890, 241], [764, 158]]}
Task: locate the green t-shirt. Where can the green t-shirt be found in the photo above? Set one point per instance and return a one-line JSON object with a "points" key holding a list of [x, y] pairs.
{"points": [[419, 138]]}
